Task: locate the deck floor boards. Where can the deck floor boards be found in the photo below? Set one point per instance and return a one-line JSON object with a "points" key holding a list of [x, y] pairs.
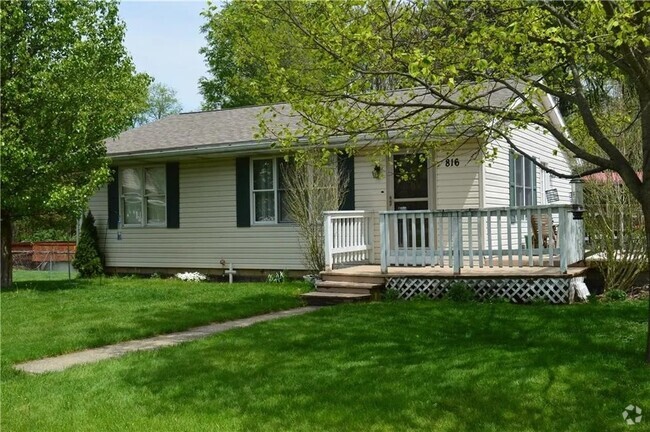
{"points": [[466, 272]]}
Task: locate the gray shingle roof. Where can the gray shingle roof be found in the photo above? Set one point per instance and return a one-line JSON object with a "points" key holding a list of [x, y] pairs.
{"points": [[195, 130], [220, 129]]}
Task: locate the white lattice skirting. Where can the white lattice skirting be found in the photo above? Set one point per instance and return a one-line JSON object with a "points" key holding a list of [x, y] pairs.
{"points": [[518, 290]]}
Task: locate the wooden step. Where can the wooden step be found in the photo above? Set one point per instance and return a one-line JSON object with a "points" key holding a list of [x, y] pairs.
{"points": [[332, 286], [342, 277], [318, 298]]}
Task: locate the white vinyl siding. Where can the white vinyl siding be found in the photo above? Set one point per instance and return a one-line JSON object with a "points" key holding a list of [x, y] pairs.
{"points": [[458, 186], [207, 233], [535, 143]]}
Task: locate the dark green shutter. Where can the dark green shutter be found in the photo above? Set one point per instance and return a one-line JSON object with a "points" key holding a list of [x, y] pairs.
{"points": [[511, 171], [113, 199], [346, 169], [243, 191], [173, 195]]}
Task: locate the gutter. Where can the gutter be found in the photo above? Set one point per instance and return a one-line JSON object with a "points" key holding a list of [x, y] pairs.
{"points": [[242, 147]]}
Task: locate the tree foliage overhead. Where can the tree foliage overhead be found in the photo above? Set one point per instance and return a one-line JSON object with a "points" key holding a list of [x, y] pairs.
{"points": [[240, 61], [161, 102], [455, 59], [455, 56], [67, 85]]}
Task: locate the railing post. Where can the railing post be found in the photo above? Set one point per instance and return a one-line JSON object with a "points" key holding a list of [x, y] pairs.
{"points": [[563, 238], [455, 229], [371, 237], [383, 243], [327, 234]]}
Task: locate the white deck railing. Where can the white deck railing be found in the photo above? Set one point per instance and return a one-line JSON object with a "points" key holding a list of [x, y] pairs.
{"points": [[490, 237], [349, 237]]}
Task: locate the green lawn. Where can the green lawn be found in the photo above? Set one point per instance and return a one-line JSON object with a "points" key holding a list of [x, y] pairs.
{"points": [[42, 275], [375, 367], [49, 317]]}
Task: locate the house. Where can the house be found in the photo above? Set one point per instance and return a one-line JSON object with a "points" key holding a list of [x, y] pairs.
{"points": [[188, 190]]}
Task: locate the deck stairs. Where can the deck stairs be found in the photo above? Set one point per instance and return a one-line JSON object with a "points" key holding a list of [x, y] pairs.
{"points": [[339, 288]]}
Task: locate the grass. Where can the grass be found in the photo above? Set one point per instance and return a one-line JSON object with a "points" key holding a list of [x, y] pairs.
{"points": [[42, 275], [49, 317], [374, 367]]}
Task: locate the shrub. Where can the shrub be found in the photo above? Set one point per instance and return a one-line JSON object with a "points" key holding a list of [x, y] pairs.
{"points": [[539, 301], [615, 228], [311, 279], [421, 296], [497, 300], [391, 294], [88, 258], [311, 189], [277, 277], [615, 295], [460, 292]]}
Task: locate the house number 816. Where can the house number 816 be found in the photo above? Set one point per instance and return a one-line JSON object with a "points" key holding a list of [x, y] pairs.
{"points": [[453, 162]]}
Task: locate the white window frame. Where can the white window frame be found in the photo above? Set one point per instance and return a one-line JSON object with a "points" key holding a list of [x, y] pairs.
{"points": [[525, 186], [142, 172], [276, 195]]}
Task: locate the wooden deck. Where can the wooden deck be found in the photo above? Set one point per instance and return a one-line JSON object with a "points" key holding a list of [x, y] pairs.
{"points": [[466, 272]]}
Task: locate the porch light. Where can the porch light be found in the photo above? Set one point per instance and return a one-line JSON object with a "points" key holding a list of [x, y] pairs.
{"points": [[577, 198], [376, 171]]}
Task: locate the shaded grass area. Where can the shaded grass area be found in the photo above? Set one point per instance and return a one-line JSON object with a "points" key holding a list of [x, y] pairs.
{"points": [[375, 367], [49, 317], [42, 275]]}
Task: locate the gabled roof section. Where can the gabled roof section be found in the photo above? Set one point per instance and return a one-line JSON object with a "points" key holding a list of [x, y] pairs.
{"points": [[237, 129], [198, 130]]}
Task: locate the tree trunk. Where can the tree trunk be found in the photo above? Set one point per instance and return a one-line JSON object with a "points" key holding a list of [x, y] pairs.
{"points": [[646, 218], [6, 261]]}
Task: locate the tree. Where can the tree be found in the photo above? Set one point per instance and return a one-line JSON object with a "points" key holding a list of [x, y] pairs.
{"points": [[239, 65], [67, 84], [454, 58], [88, 258], [161, 102], [613, 220]]}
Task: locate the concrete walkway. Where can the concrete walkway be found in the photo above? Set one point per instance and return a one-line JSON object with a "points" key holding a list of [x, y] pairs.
{"points": [[54, 364]]}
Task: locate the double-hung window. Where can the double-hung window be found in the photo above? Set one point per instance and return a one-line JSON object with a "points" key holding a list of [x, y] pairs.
{"points": [[523, 181], [143, 196], [269, 191]]}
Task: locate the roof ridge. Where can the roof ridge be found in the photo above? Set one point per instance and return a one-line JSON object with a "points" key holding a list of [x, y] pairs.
{"points": [[270, 104]]}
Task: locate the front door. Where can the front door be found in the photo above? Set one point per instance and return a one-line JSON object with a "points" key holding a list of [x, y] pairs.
{"points": [[410, 191], [410, 184]]}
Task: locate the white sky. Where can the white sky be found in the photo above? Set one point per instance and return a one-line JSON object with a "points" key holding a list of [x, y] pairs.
{"points": [[164, 39]]}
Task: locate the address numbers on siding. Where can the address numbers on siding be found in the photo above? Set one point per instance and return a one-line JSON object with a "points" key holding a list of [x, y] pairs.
{"points": [[452, 162]]}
